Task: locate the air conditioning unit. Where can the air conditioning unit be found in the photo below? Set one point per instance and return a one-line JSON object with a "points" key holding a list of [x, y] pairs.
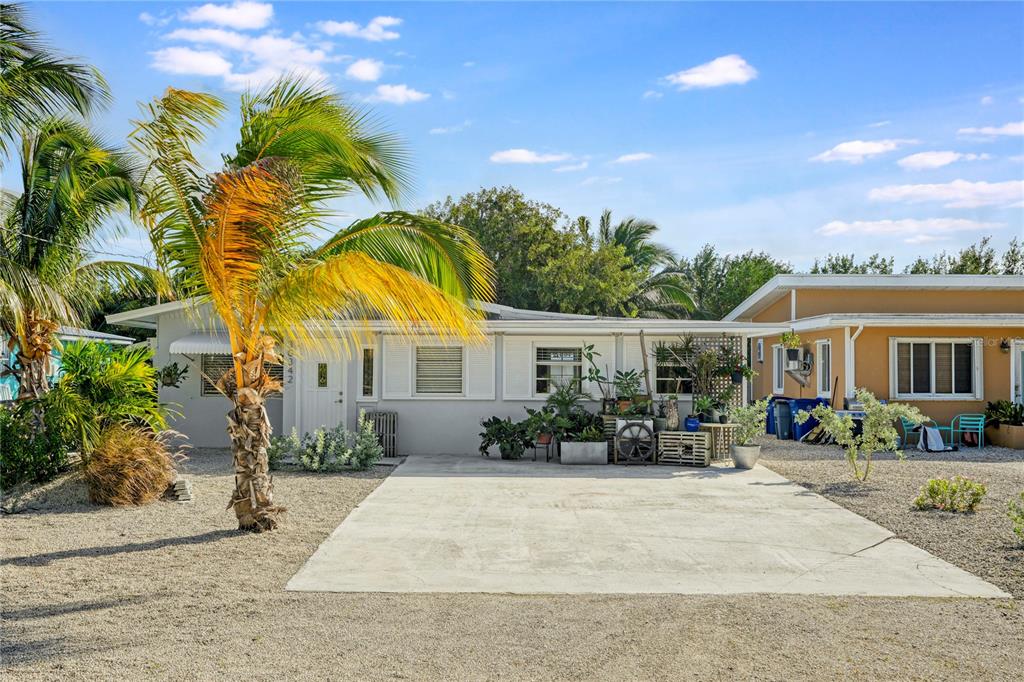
{"points": [[799, 360]]}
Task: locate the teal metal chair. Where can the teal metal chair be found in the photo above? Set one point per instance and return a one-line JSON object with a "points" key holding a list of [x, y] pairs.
{"points": [[968, 423], [908, 436]]}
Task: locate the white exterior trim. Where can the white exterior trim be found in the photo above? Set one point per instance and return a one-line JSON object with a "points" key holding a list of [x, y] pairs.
{"points": [[827, 393], [776, 364], [977, 355], [1016, 371], [910, 320]]}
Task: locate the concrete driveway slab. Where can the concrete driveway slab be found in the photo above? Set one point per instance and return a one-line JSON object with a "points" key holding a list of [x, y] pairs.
{"points": [[469, 524]]}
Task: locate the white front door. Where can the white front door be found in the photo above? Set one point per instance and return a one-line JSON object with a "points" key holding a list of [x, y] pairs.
{"points": [[322, 401]]}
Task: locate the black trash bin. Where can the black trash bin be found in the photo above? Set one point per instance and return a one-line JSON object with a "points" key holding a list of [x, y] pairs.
{"points": [[783, 420]]}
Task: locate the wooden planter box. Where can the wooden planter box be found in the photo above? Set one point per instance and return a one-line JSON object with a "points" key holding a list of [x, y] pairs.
{"points": [[684, 447], [1005, 436]]}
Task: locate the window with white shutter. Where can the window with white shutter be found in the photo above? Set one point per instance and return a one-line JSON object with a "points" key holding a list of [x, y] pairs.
{"points": [[935, 368], [439, 370]]}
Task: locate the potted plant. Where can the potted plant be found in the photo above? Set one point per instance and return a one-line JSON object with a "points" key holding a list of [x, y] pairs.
{"points": [[627, 388], [660, 419], [702, 405], [790, 339], [512, 438], [543, 424], [1004, 424], [672, 412], [587, 446], [596, 376], [749, 422], [172, 375]]}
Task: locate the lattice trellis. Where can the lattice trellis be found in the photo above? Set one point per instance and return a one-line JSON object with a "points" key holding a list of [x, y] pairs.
{"points": [[732, 344]]}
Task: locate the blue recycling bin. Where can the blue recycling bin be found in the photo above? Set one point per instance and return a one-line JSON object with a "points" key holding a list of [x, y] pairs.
{"points": [[770, 421], [783, 420], [804, 404]]}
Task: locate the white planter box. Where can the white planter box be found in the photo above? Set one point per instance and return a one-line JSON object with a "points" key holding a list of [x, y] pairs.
{"points": [[584, 453]]}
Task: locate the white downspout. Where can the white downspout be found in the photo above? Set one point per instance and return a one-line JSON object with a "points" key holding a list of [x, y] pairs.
{"points": [[851, 360], [792, 304]]}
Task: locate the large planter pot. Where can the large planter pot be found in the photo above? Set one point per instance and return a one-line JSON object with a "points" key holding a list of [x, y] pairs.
{"points": [[745, 456], [543, 438], [660, 424], [1005, 436], [584, 453]]}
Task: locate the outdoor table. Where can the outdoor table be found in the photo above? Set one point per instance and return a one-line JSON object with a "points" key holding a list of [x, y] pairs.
{"points": [[722, 436]]}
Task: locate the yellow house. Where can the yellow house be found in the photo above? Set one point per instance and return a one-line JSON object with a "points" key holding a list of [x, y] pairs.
{"points": [[945, 343]]}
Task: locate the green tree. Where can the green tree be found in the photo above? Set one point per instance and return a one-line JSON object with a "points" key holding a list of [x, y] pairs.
{"points": [[719, 283], [976, 259], [241, 240], [843, 264], [36, 83], [589, 280], [72, 184]]}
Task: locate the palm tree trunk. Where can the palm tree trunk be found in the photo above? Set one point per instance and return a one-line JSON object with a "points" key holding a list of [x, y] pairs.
{"points": [[249, 429], [34, 349]]}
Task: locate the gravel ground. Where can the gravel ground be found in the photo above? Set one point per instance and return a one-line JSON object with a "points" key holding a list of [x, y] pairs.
{"points": [[172, 591], [981, 543]]}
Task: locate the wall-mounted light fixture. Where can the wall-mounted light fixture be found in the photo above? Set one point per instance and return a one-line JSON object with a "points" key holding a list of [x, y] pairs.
{"points": [[1004, 345]]}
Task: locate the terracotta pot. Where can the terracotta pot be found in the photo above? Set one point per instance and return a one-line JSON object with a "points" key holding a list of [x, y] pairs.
{"points": [[624, 405], [543, 438]]}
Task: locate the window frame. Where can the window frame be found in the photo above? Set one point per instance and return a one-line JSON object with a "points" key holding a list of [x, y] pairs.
{"points": [[415, 370], [778, 368], [759, 352], [537, 347], [212, 391], [372, 396], [825, 392], [683, 395], [977, 373]]}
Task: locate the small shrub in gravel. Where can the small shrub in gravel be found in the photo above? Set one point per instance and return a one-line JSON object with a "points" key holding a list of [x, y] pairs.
{"points": [[957, 494], [334, 449], [1016, 514]]}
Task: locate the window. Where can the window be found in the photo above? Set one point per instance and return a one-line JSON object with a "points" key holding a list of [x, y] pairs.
{"points": [[823, 351], [778, 370], [670, 377], [760, 350], [215, 366], [438, 370], [321, 375], [366, 390], [936, 368], [558, 367]]}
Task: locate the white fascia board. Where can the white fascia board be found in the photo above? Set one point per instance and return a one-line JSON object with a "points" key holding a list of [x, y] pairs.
{"points": [[933, 320], [145, 318]]}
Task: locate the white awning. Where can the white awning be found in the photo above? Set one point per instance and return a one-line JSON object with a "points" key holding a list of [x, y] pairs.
{"points": [[203, 343]]}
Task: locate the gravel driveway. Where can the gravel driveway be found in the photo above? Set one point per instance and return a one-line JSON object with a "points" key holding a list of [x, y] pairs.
{"points": [[173, 592]]}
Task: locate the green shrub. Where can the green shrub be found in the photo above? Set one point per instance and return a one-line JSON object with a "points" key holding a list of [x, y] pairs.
{"points": [[957, 494], [334, 449], [1016, 514], [750, 421], [27, 453]]}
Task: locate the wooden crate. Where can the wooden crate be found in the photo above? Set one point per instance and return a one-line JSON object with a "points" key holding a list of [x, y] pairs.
{"points": [[684, 447]]}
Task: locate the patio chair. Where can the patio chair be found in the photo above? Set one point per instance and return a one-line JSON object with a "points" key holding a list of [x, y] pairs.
{"points": [[911, 436], [968, 423]]}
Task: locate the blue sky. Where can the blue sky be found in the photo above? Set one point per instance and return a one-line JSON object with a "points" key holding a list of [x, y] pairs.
{"points": [[798, 129]]}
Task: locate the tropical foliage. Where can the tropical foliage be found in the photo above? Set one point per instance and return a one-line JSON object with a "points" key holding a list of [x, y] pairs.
{"points": [[28, 452], [242, 240], [35, 82], [129, 466], [72, 183], [957, 494], [750, 421]]}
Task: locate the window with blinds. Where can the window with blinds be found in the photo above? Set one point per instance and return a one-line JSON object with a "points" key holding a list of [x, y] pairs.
{"points": [[366, 390], [214, 367], [439, 370], [558, 367], [935, 367]]}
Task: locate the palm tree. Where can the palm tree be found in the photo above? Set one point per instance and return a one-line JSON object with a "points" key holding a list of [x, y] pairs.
{"points": [[662, 291], [72, 183], [240, 240], [34, 82]]}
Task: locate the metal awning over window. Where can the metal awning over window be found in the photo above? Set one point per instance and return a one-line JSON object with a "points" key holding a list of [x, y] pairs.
{"points": [[205, 343]]}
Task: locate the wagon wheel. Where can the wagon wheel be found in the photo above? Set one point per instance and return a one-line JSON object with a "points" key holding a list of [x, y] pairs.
{"points": [[635, 442]]}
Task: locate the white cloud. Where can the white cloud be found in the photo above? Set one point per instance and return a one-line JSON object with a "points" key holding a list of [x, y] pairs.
{"points": [[652, 94], [449, 130], [634, 157], [240, 14], [986, 100], [600, 180], [396, 94], [469, 65], [185, 60], [955, 194], [375, 31], [260, 59], [526, 156], [912, 230], [879, 124], [731, 69], [1013, 129], [572, 167], [929, 160], [855, 151], [151, 20], [365, 70]]}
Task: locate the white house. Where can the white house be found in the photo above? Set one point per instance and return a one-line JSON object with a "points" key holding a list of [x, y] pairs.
{"points": [[439, 392]]}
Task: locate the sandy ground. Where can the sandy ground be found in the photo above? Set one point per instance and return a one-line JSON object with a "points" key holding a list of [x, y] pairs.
{"points": [[982, 543], [171, 591]]}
